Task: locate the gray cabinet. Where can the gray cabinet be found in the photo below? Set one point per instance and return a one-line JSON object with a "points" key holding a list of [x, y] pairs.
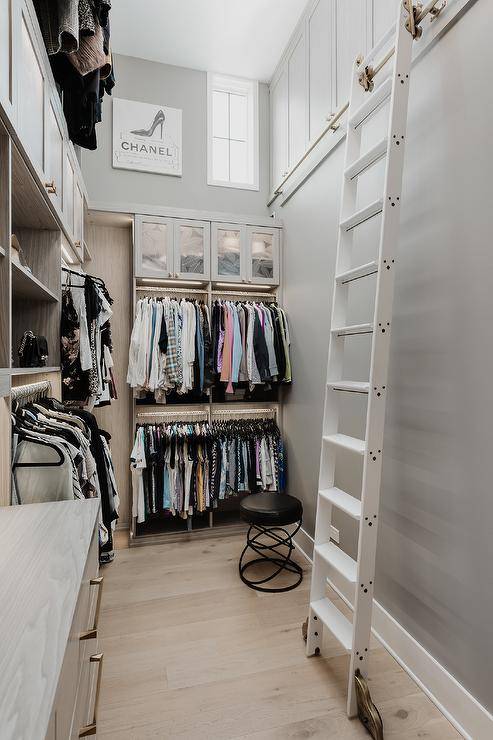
{"points": [[54, 147], [279, 128], [263, 255], [297, 96], [30, 76], [78, 218], [154, 247], [191, 250], [68, 190], [228, 247]]}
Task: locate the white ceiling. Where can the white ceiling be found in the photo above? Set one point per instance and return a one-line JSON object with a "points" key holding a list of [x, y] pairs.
{"points": [[238, 37]]}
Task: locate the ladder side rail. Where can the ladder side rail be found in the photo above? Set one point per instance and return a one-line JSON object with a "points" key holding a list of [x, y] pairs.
{"points": [[372, 467], [328, 453]]}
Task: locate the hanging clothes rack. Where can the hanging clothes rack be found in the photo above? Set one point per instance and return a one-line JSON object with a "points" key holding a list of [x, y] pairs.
{"points": [[244, 412], [31, 392], [182, 415], [170, 289], [245, 294]]}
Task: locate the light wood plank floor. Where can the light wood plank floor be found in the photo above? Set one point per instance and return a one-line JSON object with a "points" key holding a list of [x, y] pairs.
{"points": [[190, 652]]}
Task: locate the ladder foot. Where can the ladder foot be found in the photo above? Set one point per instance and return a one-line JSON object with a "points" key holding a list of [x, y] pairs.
{"points": [[367, 711]]}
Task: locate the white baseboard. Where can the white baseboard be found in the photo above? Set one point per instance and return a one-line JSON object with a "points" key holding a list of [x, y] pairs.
{"points": [[462, 710]]}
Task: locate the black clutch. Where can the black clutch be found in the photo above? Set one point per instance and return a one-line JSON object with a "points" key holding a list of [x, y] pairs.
{"points": [[33, 350]]}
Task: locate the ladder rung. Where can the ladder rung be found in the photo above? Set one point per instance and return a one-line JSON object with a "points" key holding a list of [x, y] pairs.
{"points": [[345, 331], [371, 157], [348, 443], [343, 501], [370, 268], [372, 102], [351, 386], [335, 557], [364, 214], [335, 621]]}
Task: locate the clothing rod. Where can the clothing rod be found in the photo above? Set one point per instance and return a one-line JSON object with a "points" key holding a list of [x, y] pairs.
{"points": [[333, 119], [31, 389], [235, 412], [273, 296], [149, 414], [169, 289]]}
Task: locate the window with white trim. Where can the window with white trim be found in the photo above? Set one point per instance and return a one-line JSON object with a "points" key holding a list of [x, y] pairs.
{"points": [[232, 132]]}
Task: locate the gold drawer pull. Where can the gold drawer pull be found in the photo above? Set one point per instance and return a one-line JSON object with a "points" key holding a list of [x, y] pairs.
{"points": [[92, 633], [77, 244], [90, 729], [51, 187]]}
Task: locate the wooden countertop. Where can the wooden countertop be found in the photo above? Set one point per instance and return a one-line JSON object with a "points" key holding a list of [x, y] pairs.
{"points": [[43, 552]]}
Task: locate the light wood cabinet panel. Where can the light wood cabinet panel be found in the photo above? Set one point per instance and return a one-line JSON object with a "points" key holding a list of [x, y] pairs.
{"points": [[54, 156], [297, 107], [192, 250], [320, 65], [31, 93], [279, 129], [7, 55]]}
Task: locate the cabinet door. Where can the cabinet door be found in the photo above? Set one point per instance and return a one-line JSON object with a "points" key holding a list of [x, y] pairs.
{"points": [[192, 250], [78, 219], [54, 156], [228, 253], [384, 13], [30, 93], [7, 51], [263, 255], [153, 247], [68, 190], [320, 67], [352, 39], [279, 129], [297, 101]]}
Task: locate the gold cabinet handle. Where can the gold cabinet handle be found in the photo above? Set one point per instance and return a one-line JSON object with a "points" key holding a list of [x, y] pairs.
{"points": [[77, 244], [51, 187], [92, 633], [90, 729]]}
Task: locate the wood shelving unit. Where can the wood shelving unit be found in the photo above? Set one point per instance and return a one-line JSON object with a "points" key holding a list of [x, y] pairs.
{"points": [[26, 285]]}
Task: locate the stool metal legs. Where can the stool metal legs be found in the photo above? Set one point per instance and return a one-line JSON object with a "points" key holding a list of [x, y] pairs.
{"points": [[273, 545]]}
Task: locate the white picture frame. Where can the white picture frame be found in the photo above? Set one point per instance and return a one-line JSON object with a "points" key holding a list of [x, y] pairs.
{"points": [[147, 137]]}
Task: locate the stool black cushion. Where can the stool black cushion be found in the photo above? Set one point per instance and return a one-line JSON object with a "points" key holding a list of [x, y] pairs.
{"points": [[271, 509]]}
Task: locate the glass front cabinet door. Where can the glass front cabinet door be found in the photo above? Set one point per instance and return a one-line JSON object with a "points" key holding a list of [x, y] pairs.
{"points": [[153, 247], [228, 253], [263, 255], [192, 250]]}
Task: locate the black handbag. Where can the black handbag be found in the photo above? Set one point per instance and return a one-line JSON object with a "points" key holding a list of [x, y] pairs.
{"points": [[33, 350]]}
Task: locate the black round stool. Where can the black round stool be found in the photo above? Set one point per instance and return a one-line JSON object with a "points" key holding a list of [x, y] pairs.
{"points": [[268, 514]]}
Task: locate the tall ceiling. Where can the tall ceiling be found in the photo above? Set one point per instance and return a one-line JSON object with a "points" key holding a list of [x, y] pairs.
{"points": [[238, 37]]}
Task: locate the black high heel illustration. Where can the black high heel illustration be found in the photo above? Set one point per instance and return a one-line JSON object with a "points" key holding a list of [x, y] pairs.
{"points": [[159, 119]]}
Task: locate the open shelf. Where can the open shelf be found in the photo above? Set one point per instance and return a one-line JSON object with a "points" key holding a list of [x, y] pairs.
{"points": [[25, 285], [34, 370]]}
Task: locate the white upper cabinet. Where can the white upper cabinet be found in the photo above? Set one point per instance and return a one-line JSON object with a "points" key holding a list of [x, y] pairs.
{"points": [[154, 247], [30, 92], [384, 13], [297, 97], [352, 39], [320, 65], [192, 250], [54, 146], [263, 255], [7, 87], [228, 246], [68, 191], [279, 128], [78, 219]]}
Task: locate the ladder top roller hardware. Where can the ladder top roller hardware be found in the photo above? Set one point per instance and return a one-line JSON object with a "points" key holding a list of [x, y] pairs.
{"points": [[353, 444], [342, 500], [352, 386], [346, 331], [337, 559], [335, 621], [370, 268], [372, 103], [364, 214], [371, 157]]}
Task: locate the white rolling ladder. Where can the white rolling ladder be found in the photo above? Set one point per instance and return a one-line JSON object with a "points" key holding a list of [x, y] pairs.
{"points": [[330, 563]]}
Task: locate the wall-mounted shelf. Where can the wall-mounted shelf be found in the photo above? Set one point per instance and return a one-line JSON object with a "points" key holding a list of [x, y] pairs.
{"points": [[25, 285], [34, 370]]}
